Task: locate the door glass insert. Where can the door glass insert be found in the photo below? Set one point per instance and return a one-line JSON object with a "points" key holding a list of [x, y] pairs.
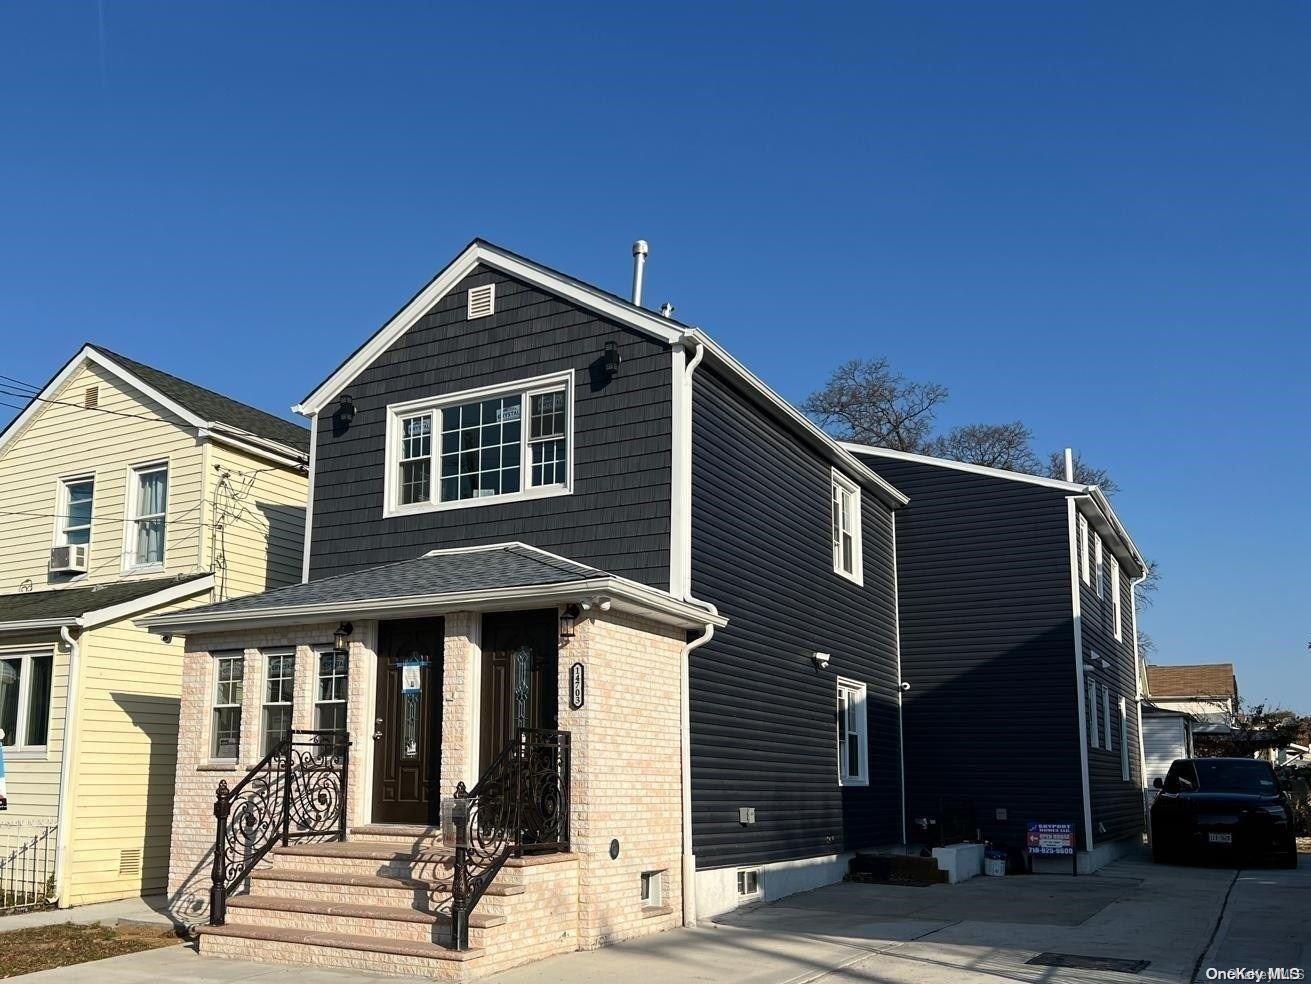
{"points": [[411, 703]]}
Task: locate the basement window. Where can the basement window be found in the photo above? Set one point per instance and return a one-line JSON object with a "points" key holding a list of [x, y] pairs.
{"points": [[499, 444], [652, 895], [748, 883]]}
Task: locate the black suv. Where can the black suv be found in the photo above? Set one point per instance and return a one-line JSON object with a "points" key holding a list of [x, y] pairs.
{"points": [[1229, 809]]}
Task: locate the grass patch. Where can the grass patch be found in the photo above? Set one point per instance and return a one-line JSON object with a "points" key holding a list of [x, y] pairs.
{"points": [[25, 951]]}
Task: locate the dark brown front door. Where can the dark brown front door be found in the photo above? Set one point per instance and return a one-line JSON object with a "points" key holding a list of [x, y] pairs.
{"points": [[518, 677], [408, 726]]}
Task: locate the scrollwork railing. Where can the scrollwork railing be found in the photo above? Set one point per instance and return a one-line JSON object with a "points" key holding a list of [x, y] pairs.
{"points": [[520, 805], [296, 792]]}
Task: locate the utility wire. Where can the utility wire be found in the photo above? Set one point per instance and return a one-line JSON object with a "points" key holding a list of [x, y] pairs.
{"points": [[79, 406]]}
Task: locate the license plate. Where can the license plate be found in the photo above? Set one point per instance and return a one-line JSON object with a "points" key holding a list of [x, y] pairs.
{"points": [[1220, 838]]}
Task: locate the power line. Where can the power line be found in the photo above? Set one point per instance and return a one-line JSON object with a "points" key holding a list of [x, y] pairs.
{"points": [[79, 406], [19, 382]]}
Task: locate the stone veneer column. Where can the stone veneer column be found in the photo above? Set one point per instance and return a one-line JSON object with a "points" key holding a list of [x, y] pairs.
{"points": [[459, 672], [626, 781]]}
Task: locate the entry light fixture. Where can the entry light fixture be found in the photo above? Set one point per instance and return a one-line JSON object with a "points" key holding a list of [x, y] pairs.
{"points": [[346, 409], [821, 660], [612, 358], [569, 621], [341, 637]]}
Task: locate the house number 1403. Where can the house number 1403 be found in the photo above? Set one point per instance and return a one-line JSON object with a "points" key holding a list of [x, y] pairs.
{"points": [[577, 688]]}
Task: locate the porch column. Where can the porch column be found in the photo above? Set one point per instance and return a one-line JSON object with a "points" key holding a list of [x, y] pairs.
{"points": [[461, 654]]}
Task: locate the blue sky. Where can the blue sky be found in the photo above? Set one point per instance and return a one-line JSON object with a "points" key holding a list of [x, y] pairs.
{"points": [[1095, 217]]}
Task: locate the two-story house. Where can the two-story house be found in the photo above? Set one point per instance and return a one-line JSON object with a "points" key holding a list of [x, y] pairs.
{"points": [[123, 490], [1018, 645], [578, 584]]}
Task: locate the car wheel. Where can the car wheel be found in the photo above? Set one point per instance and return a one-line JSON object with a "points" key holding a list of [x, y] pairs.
{"points": [[1289, 860], [1159, 853]]}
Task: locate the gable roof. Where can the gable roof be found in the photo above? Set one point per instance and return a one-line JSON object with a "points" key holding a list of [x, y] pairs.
{"points": [[608, 305], [95, 604], [1192, 680], [1102, 516], [477, 578], [194, 405]]}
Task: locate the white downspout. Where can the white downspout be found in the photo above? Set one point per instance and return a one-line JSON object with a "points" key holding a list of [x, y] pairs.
{"points": [[683, 520], [1139, 669], [65, 819]]}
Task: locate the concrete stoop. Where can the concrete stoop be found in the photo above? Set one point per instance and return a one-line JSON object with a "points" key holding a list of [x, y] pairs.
{"points": [[378, 903]]}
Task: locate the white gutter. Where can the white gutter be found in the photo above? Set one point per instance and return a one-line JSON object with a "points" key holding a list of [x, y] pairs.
{"points": [[1076, 609], [65, 819], [1139, 670], [309, 500]]}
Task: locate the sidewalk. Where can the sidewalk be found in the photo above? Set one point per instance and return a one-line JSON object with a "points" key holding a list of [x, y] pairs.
{"points": [[149, 911]]}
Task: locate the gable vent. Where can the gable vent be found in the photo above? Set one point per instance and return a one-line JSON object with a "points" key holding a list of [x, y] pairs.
{"points": [[129, 861], [91, 399], [482, 301]]}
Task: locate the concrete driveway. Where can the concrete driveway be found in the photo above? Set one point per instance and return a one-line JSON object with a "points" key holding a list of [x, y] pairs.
{"points": [[1175, 918]]}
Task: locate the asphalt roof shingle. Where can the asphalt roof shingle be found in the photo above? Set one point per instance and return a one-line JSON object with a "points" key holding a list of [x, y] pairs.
{"points": [[72, 603], [1194, 680], [215, 407], [502, 566]]}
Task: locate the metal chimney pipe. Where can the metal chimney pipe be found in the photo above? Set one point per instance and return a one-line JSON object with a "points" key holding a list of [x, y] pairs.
{"points": [[1069, 464], [640, 249]]}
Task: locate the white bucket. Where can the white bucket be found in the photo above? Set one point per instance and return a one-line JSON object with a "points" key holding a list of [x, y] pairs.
{"points": [[994, 866]]}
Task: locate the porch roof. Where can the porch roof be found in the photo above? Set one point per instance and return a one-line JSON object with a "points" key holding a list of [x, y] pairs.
{"points": [[92, 605], [496, 577]]}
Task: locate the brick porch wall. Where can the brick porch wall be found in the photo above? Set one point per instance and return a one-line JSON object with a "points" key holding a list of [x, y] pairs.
{"points": [[192, 853]]}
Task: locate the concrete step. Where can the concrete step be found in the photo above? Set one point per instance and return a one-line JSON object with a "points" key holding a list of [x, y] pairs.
{"points": [[364, 857], [370, 954], [415, 835], [356, 919]]}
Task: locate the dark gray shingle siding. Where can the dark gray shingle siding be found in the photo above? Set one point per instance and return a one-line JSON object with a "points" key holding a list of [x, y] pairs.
{"points": [[618, 515]]}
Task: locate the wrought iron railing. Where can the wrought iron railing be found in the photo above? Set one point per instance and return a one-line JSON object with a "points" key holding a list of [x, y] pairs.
{"points": [[519, 806], [297, 792], [27, 865]]}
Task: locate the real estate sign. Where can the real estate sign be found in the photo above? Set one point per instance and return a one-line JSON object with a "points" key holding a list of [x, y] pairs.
{"points": [[1051, 838]]}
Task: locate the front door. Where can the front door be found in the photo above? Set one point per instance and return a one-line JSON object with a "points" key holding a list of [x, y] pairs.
{"points": [[518, 677], [408, 724]]}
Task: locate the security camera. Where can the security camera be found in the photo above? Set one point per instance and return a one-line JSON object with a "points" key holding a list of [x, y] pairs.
{"points": [[167, 639], [905, 685], [821, 660]]}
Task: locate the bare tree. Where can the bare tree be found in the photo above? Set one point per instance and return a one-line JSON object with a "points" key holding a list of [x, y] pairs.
{"points": [[866, 401], [995, 445], [1084, 473]]}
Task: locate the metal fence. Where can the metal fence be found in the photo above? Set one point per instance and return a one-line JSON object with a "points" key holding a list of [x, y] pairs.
{"points": [[27, 864]]}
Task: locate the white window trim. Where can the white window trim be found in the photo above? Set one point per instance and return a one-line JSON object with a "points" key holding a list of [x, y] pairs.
{"points": [[760, 883], [857, 573], [214, 705], [527, 388], [1124, 743], [1108, 736], [265, 703], [20, 747], [130, 519], [62, 506], [1113, 568], [862, 778], [1100, 563], [1083, 549], [1093, 738], [319, 653], [655, 897]]}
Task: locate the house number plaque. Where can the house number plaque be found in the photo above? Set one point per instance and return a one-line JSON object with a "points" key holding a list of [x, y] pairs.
{"points": [[577, 686]]}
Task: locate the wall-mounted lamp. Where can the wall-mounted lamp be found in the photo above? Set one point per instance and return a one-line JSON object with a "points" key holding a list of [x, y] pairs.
{"points": [[569, 621], [610, 364], [821, 660], [341, 637], [346, 409]]}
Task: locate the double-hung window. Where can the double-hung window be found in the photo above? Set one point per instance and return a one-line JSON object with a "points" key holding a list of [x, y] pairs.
{"points": [[1083, 550], [229, 670], [25, 700], [853, 734], [76, 496], [1124, 740], [279, 691], [1100, 566], [847, 559], [496, 443], [1108, 736], [1090, 708], [330, 697], [1115, 599], [147, 507]]}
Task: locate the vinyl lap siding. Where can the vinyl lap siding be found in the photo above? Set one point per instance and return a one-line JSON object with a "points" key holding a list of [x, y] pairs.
{"points": [[1117, 805], [762, 715], [987, 646], [618, 515]]}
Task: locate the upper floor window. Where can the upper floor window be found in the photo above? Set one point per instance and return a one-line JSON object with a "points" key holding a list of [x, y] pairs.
{"points": [[1115, 599], [75, 499], [504, 442], [330, 699], [847, 559], [229, 671], [1099, 566], [1091, 709], [853, 734], [25, 700], [147, 506], [1083, 550]]}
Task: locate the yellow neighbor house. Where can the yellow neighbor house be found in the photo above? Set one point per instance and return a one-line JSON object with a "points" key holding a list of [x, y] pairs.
{"points": [[123, 490]]}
